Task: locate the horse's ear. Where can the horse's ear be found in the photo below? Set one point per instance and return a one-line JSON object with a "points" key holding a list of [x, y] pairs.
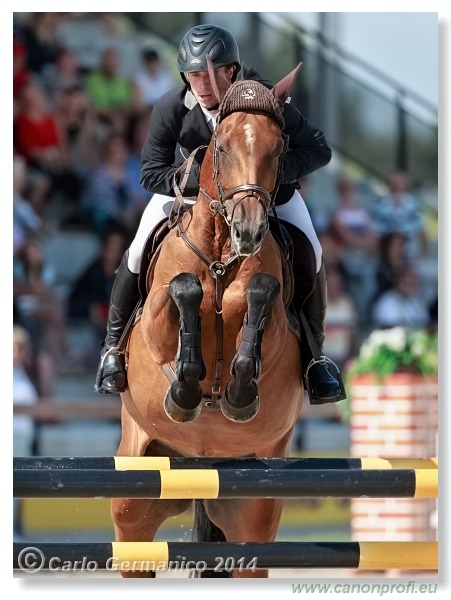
{"points": [[282, 89], [219, 83]]}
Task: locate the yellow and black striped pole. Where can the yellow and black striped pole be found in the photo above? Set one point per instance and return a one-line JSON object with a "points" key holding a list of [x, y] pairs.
{"points": [[159, 463], [178, 556], [225, 483]]}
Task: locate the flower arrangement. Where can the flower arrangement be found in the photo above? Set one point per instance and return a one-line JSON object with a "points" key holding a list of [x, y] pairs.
{"points": [[397, 349], [388, 351]]}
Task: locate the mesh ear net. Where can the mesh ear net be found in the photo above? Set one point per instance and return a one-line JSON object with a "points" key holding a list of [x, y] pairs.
{"points": [[251, 95]]}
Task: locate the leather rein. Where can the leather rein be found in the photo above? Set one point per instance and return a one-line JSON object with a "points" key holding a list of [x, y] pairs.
{"points": [[218, 269]]}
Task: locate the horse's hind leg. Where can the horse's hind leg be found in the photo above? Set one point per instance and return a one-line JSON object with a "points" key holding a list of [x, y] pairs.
{"points": [[183, 400], [138, 520], [245, 520], [240, 401]]}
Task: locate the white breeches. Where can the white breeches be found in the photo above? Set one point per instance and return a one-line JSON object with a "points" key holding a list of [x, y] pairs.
{"points": [[294, 211]]}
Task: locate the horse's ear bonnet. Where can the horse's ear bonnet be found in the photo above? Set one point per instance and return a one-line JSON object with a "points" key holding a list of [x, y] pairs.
{"points": [[251, 95]]}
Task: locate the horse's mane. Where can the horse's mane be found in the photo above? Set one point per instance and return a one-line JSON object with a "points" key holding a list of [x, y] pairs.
{"points": [[251, 95]]}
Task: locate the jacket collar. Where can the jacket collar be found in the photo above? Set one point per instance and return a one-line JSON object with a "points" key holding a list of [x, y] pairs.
{"points": [[195, 118], [190, 100]]}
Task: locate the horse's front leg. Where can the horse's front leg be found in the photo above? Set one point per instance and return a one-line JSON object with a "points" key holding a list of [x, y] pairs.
{"points": [[240, 401], [183, 401]]}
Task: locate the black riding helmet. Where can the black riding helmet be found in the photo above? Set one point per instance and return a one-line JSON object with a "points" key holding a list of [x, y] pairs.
{"points": [[207, 39]]}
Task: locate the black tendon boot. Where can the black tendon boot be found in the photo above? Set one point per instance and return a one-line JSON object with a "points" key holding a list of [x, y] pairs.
{"points": [[111, 375], [323, 380]]}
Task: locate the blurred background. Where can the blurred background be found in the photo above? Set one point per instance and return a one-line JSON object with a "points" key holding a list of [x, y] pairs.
{"points": [[369, 82]]}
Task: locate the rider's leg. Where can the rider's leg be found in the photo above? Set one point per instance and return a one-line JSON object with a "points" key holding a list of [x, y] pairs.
{"points": [[323, 386], [111, 374]]}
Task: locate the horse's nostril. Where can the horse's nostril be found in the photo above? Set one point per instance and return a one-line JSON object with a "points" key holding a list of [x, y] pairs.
{"points": [[237, 232], [260, 234]]}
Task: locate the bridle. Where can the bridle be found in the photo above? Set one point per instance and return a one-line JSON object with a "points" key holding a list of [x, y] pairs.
{"points": [[250, 190]]}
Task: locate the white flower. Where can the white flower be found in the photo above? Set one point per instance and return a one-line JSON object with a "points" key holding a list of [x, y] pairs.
{"points": [[396, 339], [366, 351]]}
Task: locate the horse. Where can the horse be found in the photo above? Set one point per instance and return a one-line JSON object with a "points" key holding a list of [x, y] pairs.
{"points": [[216, 317]]}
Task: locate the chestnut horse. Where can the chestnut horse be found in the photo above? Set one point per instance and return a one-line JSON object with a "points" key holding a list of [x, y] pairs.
{"points": [[215, 310]]}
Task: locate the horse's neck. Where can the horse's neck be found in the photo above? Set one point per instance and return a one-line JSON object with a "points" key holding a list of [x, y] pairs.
{"points": [[208, 230]]}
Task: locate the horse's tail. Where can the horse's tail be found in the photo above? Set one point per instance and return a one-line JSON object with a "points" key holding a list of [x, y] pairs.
{"points": [[204, 530]]}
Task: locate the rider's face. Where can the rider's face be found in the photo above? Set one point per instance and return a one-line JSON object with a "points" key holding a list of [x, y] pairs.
{"points": [[201, 87]]}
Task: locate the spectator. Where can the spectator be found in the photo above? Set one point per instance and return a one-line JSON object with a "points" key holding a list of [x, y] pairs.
{"points": [[21, 74], [40, 310], [152, 81], [392, 260], [400, 211], [89, 297], [24, 393], [341, 320], [351, 227], [109, 200], [39, 139], [137, 136], [110, 92], [332, 251], [39, 36], [351, 223], [402, 305], [26, 221], [62, 75], [77, 119]]}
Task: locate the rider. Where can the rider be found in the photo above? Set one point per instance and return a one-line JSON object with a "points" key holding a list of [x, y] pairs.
{"points": [[182, 120]]}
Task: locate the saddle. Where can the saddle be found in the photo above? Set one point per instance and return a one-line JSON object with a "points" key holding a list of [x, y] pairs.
{"points": [[150, 254], [299, 279]]}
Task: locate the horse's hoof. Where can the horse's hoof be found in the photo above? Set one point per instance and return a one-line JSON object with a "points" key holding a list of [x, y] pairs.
{"points": [[239, 415], [178, 414]]}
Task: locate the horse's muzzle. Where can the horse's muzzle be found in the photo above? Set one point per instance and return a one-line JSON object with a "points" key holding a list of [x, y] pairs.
{"points": [[247, 238]]}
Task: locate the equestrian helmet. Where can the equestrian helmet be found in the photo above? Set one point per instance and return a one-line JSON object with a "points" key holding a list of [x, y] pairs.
{"points": [[207, 39]]}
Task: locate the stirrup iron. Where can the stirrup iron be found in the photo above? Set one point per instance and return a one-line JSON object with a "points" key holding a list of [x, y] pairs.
{"points": [[335, 372]]}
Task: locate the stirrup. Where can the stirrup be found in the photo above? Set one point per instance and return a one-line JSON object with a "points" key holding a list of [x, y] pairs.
{"points": [[335, 372]]}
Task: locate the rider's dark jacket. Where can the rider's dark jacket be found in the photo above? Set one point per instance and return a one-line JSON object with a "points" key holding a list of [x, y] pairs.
{"points": [[178, 126]]}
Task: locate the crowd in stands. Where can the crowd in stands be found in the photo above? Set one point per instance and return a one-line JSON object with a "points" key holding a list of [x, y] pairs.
{"points": [[78, 133]]}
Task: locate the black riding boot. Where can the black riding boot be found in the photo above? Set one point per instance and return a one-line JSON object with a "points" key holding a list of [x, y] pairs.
{"points": [[111, 375], [322, 379]]}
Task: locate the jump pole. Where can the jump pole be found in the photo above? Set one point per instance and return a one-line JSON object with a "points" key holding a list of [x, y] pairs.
{"points": [[141, 463], [225, 483], [163, 556]]}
